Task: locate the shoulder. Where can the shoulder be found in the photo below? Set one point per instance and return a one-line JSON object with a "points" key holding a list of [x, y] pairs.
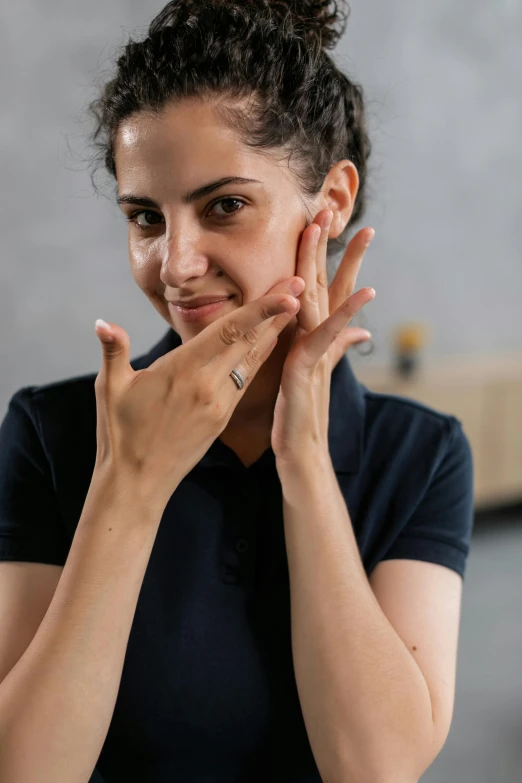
{"points": [[54, 406], [411, 429]]}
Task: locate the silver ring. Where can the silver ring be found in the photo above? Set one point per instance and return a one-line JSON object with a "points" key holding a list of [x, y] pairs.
{"points": [[238, 378]]}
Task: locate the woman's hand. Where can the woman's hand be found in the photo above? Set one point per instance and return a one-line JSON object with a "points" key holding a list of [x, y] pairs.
{"points": [[300, 426], [155, 424]]}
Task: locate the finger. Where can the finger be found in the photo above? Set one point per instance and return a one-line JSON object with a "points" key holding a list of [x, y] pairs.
{"points": [[321, 275], [348, 338], [236, 333], [318, 343], [345, 278], [250, 364], [247, 352], [293, 286], [115, 366], [309, 311]]}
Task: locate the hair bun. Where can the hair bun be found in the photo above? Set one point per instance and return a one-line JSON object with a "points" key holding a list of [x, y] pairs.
{"points": [[311, 18]]}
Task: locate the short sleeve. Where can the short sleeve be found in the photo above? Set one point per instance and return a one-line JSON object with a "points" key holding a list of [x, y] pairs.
{"points": [[440, 528], [31, 527]]}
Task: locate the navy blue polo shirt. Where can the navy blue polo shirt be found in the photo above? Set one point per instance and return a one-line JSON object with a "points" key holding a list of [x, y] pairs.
{"points": [[208, 692]]}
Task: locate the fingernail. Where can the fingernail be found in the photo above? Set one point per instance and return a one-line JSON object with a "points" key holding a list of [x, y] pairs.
{"points": [[369, 237], [297, 287], [103, 324]]}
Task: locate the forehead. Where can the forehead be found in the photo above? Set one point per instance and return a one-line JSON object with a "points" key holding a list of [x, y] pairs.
{"points": [[156, 145]]}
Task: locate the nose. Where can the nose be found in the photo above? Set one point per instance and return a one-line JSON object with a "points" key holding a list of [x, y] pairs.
{"points": [[183, 255]]}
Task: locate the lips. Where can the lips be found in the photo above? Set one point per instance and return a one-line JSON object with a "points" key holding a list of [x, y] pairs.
{"points": [[199, 302]]}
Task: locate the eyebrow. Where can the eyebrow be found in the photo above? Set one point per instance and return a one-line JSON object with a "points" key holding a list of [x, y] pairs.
{"points": [[188, 198]]}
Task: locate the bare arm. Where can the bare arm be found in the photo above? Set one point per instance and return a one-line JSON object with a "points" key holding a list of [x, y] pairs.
{"points": [[57, 702]]}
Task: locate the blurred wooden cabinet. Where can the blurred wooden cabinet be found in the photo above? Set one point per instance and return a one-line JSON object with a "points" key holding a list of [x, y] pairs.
{"points": [[485, 393]]}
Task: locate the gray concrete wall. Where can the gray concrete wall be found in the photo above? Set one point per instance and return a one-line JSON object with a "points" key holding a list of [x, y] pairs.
{"points": [[442, 82]]}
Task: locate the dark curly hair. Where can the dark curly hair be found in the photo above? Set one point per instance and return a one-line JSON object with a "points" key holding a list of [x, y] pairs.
{"points": [[264, 66]]}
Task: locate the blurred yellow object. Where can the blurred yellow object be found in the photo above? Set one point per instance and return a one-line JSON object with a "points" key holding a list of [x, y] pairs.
{"points": [[411, 336]]}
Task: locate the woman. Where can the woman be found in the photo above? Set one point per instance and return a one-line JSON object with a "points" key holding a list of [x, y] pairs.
{"points": [[242, 526]]}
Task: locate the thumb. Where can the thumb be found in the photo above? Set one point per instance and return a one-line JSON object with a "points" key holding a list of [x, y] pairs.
{"points": [[284, 287], [115, 348]]}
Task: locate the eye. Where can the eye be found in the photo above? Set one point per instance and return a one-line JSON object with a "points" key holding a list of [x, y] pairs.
{"points": [[228, 200], [135, 215]]}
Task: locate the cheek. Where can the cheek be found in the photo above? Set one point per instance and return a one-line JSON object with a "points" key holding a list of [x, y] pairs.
{"points": [[144, 271], [282, 250], [271, 258]]}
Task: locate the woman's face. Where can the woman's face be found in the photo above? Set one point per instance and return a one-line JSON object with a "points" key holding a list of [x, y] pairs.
{"points": [[250, 232]]}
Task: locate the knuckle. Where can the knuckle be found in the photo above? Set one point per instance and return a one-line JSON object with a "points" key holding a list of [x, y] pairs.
{"points": [[322, 279], [230, 333], [253, 357], [251, 337], [312, 296]]}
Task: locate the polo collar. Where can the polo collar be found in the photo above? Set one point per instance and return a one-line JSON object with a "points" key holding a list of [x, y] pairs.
{"points": [[346, 416]]}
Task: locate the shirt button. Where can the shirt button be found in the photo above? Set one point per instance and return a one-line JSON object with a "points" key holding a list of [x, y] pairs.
{"points": [[241, 545]]}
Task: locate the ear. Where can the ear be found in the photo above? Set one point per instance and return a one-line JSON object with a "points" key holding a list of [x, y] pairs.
{"points": [[338, 193]]}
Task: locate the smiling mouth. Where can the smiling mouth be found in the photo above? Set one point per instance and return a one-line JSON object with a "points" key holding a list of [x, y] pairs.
{"points": [[188, 306], [194, 314]]}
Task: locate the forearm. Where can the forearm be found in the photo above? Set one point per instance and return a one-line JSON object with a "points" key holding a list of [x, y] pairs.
{"points": [[57, 703], [365, 702]]}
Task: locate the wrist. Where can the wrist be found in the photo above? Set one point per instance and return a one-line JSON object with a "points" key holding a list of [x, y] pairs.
{"points": [[120, 486], [303, 474], [307, 460]]}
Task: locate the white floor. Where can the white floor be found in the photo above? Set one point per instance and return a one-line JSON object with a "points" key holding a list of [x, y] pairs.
{"points": [[485, 741]]}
